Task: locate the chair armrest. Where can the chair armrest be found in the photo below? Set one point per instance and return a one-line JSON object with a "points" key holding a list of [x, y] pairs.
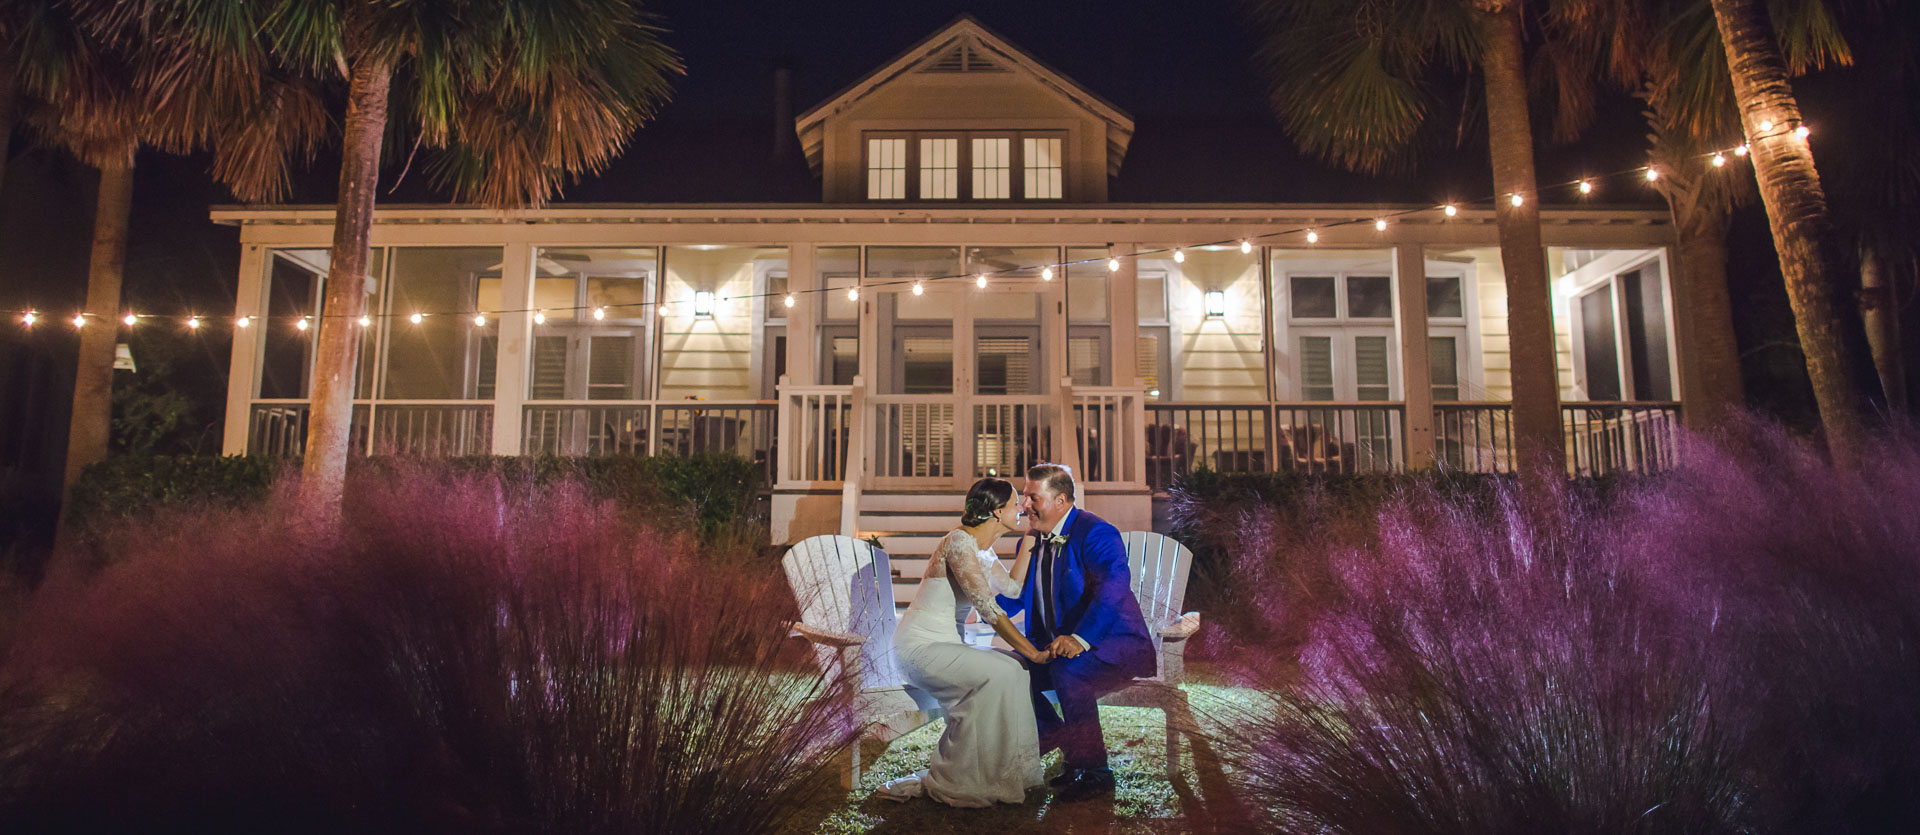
{"points": [[1180, 628], [828, 637]]}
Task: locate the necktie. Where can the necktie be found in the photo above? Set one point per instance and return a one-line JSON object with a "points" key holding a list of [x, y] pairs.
{"points": [[1047, 617]]}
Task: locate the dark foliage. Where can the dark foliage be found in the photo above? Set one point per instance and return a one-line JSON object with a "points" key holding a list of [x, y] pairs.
{"points": [[465, 654]]}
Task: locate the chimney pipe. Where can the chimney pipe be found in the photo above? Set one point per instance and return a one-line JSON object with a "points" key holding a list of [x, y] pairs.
{"points": [[783, 136]]}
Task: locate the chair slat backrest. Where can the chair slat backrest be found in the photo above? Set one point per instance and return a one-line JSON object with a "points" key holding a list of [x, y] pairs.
{"points": [[1159, 566], [846, 585]]}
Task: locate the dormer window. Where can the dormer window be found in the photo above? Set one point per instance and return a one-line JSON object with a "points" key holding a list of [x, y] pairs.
{"points": [[965, 165]]}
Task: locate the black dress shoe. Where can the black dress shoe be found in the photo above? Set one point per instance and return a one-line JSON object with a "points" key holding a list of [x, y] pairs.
{"points": [[1086, 785], [1065, 777]]}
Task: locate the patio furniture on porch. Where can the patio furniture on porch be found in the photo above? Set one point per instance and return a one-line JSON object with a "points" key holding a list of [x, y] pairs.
{"points": [[1306, 448], [1169, 452]]}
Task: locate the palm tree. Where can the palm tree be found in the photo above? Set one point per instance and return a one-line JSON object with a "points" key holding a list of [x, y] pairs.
{"points": [[1668, 52], [517, 95], [1353, 83], [1803, 233]]}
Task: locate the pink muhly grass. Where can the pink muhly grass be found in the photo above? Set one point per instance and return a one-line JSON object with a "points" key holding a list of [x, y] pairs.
{"points": [[461, 654]]}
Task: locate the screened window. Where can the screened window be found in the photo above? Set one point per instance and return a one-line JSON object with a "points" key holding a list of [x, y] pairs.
{"points": [[1444, 299], [1314, 297]]}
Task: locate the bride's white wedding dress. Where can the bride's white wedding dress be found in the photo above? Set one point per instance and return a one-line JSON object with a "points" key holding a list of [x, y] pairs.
{"points": [[990, 751]]}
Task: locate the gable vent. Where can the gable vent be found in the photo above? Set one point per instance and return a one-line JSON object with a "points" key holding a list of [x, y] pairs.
{"points": [[964, 56]]}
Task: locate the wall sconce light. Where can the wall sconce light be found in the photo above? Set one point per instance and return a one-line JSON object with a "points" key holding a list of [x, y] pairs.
{"points": [[703, 304], [1216, 304]]}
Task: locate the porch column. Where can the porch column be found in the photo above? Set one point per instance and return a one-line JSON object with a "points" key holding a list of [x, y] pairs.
{"points": [[511, 358], [803, 318], [1123, 326], [1054, 332], [243, 376], [1416, 375]]}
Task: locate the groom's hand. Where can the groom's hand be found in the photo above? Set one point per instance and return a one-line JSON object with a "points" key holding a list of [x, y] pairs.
{"points": [[1065, 647]]}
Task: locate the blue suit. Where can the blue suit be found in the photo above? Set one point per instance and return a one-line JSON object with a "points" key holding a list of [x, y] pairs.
{"points": [[1091, 595]]}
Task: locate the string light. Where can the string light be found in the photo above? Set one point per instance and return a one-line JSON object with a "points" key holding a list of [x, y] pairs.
{"points": [[1586, 186], [1517, 200], [79, 320], [1719, 160], [600, 314], [1652, 174], [1801, 131], [853, 294], [665, 310], [1313, 237], [981, 282], [416, 318], [1740, 151], [30, 318], [1113, 265], [1179, 256], [789, 300], [1450, 210], [539, 317], [130, 320], [1046, 273], [919, 290], [479, 320], [301, 325], [1380, 225], [1766, 125], [241, 322], [193, 323], [366, 321], [1246, 246]]}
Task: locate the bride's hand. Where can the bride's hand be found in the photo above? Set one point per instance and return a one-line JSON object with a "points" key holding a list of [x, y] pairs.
{"points": [[1038, 656]]}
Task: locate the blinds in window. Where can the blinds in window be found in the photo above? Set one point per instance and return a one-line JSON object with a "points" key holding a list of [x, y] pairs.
{"points": [[1006, 365], [1083, 360], [610, 368], [1443, 364], [1370, 367], [1146, 354], [886, 169], [549, 380], [928, 365], [1316, 367]]}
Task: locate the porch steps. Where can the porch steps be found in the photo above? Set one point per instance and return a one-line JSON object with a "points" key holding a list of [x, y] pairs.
{"points": [[910, 525]]}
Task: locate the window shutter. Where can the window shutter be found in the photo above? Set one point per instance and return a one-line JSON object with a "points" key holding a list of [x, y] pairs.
{"points": [[1316, 368], [1370, 367]]}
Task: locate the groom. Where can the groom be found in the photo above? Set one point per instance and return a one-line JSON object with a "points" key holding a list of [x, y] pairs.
{"points": [[1080, 606]]}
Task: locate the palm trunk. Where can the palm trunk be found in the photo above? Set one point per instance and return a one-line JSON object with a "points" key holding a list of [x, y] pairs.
{"points": [[7, 97], [92, 419], [1880, 309], [1714, 388], [1540, 449], [1797, 211], [337, 352]]}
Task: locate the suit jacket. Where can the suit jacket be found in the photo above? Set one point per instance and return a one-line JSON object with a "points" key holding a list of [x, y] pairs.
{"points": [[1093, 596]]}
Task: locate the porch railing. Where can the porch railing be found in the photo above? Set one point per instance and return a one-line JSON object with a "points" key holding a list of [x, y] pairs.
{"points": [[424, 428], [1109, 435], [816, 426], [912, 437], [1602, 438], [1270, 437], [651, 427]]}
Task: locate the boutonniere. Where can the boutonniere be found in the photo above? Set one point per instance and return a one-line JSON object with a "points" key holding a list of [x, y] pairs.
{"points": [[1055, 540]]}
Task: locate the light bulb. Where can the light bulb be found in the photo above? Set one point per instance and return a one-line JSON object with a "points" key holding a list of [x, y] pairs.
{"points": [[539, 317], [1046, 273], [600, 314], [416, 318], [1380, 225], [1586, 186], [666, 309], [1652, 174], [1740, 151], [1802, 131], [853, 294], [1450, 210], [980, 282], [300, 325], [1179, 256], [238, 323], [1719, 160], [130, 320], [1113, 265], [30, 318], [1313, 237], [789, 301], [80, 320], [193, 322], [919, 290], [1766, 125], [1517, 200], [479, 320], [366, 321], [1246, 246]]}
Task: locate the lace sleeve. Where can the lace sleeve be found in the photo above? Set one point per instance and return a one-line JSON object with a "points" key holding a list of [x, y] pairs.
{"points": [[1004, 584], [969, 575]]}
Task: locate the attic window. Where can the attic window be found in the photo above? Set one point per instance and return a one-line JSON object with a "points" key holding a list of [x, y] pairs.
{"points": [[965, 56], [965, 165]]}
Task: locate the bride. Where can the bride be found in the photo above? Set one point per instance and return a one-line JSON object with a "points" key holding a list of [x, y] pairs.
{"points": [[990, 751]]}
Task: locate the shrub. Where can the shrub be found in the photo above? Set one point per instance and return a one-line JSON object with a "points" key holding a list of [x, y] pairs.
{"points": [[1735, 647], [463, 654]]}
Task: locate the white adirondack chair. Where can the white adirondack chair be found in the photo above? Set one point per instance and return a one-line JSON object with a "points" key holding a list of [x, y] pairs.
{"points": [[845, 590], [1158, 566]]}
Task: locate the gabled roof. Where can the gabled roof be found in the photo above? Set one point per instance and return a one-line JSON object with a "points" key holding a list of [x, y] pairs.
{"points": [[966, 46]]}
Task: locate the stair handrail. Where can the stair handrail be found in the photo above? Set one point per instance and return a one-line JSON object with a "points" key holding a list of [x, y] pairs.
{"points": [[856, 462]]}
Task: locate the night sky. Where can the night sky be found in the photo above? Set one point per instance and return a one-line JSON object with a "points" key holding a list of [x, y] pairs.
{"points": [[1183, 70]]}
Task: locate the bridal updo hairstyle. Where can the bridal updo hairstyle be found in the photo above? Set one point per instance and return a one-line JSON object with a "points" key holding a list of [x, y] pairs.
{"points": [[983, 498]]}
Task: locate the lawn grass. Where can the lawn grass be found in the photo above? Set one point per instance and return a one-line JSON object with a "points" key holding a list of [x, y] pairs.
{"points": [[1144, 800]]}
